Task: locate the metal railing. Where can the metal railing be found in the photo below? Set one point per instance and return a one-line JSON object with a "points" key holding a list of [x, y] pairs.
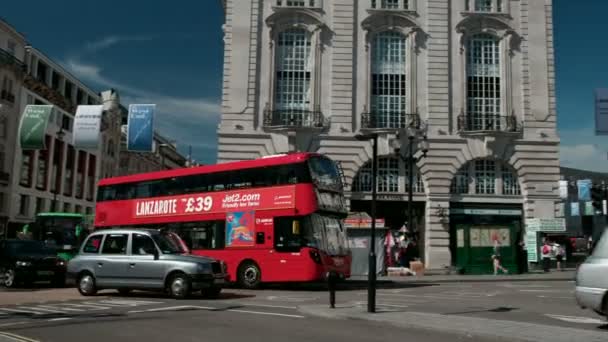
{"points": [[294, 118], [298, 3], [392, 4], [388, 120], [488, 123]]}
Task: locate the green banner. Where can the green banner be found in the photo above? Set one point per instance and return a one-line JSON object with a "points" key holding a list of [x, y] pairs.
{"points": [[32, 130]]}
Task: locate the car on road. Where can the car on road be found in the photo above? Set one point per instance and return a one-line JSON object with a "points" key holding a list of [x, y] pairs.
{"points": [[143, 259], [28, 261], [592, 279]]}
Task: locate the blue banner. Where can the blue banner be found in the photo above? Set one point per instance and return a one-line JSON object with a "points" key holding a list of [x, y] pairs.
{"points": [[140, 128], [575, 209], [584, 189]]}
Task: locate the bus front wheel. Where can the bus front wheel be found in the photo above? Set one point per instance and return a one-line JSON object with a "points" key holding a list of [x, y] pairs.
{"points": [[249, 275]]}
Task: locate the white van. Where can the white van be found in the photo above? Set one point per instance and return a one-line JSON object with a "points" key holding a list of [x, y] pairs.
{"points": [[592, 279]]}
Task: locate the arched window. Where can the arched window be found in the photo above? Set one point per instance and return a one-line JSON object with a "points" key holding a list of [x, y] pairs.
{"points": [[486, 177], [483, 72], [293, 93], [388, 77], [387, 178]]}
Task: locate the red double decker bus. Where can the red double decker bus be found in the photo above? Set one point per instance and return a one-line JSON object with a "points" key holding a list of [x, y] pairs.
{"points": [[274, 219]]}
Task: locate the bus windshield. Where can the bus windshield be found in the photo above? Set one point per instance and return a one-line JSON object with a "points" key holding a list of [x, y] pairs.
{"points": [[325, 233], [325, 173]]}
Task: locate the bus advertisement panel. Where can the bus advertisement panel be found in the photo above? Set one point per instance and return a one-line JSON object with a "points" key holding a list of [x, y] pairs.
{"points": [[274, 219]]}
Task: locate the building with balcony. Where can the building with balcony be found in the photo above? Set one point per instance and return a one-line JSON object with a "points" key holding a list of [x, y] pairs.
{"points": [[474, 77], [12, 72]]}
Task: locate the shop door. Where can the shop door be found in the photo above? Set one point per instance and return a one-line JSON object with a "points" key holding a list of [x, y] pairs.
{"points": [[475, 246]]}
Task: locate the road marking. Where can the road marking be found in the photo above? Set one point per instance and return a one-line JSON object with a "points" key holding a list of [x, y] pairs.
{"points": [[40, 308], [59, 319], [56, 306], [173, 308], [266, 313], [17, 337], [555, 297], [116, 302], [577, 319], [267, 306], [12, 323], [23, 311], [291, 299]]}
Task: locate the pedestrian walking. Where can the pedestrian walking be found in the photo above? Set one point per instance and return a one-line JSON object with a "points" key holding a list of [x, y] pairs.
{"points": [[546, 255], [496, 259], [559, 255]]}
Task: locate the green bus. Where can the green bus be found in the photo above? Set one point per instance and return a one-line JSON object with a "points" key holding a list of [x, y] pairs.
{"points": [[63, 232]]}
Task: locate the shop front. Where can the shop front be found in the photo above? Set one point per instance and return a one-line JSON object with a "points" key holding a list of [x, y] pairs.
{"points": [[477, 232]]}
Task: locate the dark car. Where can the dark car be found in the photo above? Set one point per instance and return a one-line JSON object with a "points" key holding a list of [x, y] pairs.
{"points": [[28, 261]]}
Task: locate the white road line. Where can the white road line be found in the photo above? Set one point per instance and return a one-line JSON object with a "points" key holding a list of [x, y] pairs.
{"points": [[17, 337], [555, 297], [11, 324], [38, 308], [59, 319], [116, 302], [94, 306], [58, 307], [266, 313], [577, 319], [172, 308], [267, 306], [23, 311], [548, 291]]}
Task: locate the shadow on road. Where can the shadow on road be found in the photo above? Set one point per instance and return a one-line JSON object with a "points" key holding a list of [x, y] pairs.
{"points": [[499, 309]]}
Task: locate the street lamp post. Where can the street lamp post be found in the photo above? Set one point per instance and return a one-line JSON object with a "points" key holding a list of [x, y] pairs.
{"points": [[60, 135], [371, 276], [411, 160]]}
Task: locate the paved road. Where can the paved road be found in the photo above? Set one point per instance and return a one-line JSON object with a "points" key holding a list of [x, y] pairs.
{"points": [[548, 303]]}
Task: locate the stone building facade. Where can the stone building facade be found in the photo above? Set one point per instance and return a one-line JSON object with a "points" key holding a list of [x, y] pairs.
{"points": [[475, 78]]}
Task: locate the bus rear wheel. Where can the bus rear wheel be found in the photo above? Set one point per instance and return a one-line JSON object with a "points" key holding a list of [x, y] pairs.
{"points": [[249, 275]]}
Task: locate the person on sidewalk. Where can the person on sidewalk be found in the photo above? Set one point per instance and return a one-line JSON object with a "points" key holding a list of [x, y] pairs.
{"points": [[545, 252], [559, 255], [496, 259]]}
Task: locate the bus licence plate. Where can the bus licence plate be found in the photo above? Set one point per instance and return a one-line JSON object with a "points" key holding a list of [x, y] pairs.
{"points": [[218, 281], [338, 261]]}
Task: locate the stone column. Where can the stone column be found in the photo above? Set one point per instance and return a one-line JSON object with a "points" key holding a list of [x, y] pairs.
{"points": [[436, 232]]}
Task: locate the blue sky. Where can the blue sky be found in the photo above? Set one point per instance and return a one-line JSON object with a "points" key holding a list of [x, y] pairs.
{"points": [[172, 56]]}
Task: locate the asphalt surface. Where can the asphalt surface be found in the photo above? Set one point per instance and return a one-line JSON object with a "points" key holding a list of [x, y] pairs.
{"points": [[273, 313]]}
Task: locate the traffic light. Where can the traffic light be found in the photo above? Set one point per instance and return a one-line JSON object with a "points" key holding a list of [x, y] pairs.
{"points": [[598, 195]]}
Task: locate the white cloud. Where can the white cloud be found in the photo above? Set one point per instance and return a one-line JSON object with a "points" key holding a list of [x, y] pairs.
{"points": [[190, 121], [581, 149]]}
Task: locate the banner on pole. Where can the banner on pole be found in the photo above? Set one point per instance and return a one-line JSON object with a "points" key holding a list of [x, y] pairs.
{"points": [[563, 189], [140, 127], [87, 127], [574, 209], [584, 189], [32, 127]]}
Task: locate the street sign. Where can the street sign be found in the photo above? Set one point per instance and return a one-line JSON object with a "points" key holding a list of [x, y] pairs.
{"points": [[545, 225]]}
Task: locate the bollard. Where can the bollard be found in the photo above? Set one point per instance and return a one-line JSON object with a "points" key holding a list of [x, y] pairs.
{"points": [[331, 285]]}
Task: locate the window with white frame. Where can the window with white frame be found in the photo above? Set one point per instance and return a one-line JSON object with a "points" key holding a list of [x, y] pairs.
{"points": [[483, 5], [483, 83], [490, 177], [510, 185], [298, 3], [485, 176], [391, 4], [387, 179], [388, 88], [418, 184], [460, 183], [293, 76], [388, 175]]}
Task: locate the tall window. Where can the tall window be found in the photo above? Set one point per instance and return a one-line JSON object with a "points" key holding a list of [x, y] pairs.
{"points": [[69, 172], [510, 185], [485, 176], [27, 161], [483, 5], [293, 76], [388, 88], [483, 83], [388, 177], [460, 184]]}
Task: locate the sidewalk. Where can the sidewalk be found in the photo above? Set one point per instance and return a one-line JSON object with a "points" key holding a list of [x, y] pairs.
{"points": [[459, 325], [37, 295], [566, 275]]}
